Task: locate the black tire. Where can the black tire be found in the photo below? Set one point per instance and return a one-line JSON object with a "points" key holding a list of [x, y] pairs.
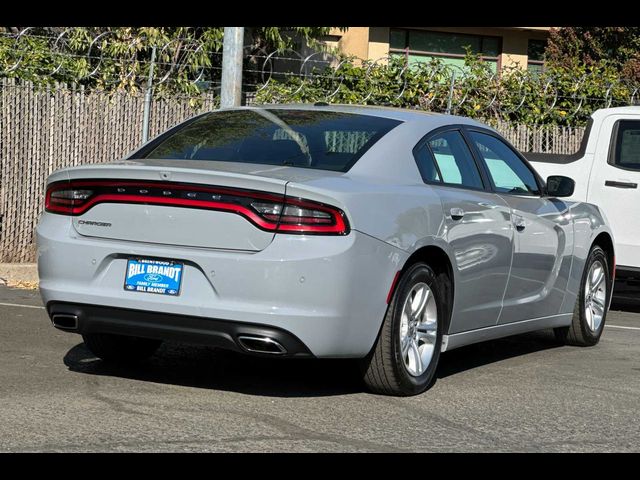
{"points": [[120, 348], [384, 371], [579, 333]]}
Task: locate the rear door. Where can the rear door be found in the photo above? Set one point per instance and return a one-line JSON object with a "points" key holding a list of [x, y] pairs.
{"points": [[543, 232], [477, 227], [614, 184]]}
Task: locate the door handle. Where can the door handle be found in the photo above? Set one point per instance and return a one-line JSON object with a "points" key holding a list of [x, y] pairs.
{"points": [[613, 183], [457, 213], [519, 223]]}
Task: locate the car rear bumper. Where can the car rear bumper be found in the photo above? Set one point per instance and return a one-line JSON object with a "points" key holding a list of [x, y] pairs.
{"points": [[328, 292], [242, 337]]}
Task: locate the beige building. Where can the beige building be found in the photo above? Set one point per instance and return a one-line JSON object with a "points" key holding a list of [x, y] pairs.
{"points": [[500, 46]]}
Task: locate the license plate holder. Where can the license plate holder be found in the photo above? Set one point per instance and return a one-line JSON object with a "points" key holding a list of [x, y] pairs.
{"points": [[148, 275]]}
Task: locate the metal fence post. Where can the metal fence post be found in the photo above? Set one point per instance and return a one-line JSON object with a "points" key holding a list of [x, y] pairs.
{"points": [[147, 98], [450, 99], [231, 88]]}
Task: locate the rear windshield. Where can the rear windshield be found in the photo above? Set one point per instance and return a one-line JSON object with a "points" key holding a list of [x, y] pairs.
{"points": [[300, 138]]}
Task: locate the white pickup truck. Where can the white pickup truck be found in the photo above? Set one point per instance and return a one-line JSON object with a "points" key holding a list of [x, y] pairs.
{"points": [[606, 170]]}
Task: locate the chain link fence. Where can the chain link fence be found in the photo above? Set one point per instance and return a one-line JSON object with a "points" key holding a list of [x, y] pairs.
{"points": [[42, 130]]}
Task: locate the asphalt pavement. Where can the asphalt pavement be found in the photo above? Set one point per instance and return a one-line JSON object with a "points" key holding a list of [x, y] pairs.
{"points": [[525, 393]]}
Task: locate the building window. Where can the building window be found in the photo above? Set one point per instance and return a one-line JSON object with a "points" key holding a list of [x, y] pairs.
{"points": [[535, 55], [420, 46]]}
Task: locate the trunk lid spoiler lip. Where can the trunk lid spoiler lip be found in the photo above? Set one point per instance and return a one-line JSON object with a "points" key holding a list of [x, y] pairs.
{"points": [[168, 170], [178, 175]]}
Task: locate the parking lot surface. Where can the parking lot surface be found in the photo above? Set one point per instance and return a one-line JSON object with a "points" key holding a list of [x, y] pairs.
{"points": [[524, 393]]}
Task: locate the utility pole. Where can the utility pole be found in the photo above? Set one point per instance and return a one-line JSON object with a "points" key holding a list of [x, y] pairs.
{"points": [[147, 98], [231, 89]]}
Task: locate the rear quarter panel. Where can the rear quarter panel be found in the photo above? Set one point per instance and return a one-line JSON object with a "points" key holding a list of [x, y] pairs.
{"points": [[401, 215], [383, 194]]}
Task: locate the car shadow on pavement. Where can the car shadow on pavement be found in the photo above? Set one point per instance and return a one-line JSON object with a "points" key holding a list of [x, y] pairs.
{"points": [[210, 368], [493, 351], [203, 367]]}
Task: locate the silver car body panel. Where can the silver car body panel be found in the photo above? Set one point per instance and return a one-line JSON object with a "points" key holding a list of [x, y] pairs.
{"points": [[329, 291], [313, 287]]}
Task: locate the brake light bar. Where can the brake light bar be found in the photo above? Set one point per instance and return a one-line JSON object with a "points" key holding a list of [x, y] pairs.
{"points": [[268, 211]]}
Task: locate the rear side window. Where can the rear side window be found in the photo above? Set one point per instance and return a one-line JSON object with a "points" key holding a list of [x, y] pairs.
{"points": [[627, 145], [301, 138], [426, 164], [454, 160]]}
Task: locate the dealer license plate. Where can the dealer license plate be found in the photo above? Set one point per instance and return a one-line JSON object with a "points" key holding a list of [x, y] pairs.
{"points": [[163, 277]]}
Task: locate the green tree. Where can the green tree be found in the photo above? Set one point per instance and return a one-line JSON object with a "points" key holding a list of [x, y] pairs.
{"points": [[618, 47], [119, 58]]}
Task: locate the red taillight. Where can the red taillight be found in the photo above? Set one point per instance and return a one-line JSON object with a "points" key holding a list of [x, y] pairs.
{"points": [[64, 200], [267, 211], [303, 216]]}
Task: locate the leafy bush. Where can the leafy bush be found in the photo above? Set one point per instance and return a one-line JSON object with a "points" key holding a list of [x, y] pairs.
{"points": [[119, 58], [559, 95]]}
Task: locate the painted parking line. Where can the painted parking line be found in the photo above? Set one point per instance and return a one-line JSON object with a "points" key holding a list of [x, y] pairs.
{"points": [[620, 326], [20, 305]]}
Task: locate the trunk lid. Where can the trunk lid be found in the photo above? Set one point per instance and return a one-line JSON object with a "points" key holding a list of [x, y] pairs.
{"points": [[189, 221]]}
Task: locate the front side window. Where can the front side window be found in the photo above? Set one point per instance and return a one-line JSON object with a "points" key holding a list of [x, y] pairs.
{"points": [[508, 172], [627, 145], [454, 160], [302, 138]]}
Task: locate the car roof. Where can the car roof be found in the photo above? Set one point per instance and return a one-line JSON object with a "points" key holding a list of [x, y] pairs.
{"points": [[426, 119]]}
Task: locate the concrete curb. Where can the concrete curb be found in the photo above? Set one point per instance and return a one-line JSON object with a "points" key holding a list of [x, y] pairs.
{"points": [[12, 273]]}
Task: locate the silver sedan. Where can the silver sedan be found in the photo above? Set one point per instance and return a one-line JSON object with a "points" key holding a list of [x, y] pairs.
{"points": [[383, 235]]}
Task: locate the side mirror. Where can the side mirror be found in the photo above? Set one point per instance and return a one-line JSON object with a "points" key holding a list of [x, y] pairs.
{"points": [[559, 186]]}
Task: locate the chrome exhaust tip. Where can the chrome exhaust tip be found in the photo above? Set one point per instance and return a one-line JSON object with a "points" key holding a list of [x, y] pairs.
{"points": [[256, 344], [65, 321]]}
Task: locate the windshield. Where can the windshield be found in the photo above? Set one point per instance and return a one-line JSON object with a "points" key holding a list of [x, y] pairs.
{"points": [[300, 138]]}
